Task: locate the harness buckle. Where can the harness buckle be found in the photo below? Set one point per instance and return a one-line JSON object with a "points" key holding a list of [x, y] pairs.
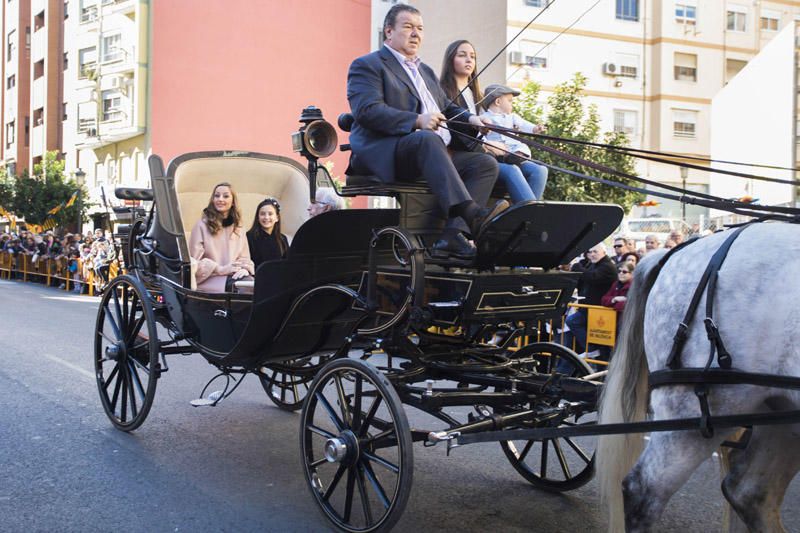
{"points": [[724, 358], [701, 391], [682, 333]]}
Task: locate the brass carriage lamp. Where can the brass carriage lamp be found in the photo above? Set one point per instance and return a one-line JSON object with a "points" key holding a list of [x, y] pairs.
{"points": [[316, 138]]}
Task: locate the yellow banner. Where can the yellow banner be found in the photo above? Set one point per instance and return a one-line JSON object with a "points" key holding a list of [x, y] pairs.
{"points": [[602, 326]]}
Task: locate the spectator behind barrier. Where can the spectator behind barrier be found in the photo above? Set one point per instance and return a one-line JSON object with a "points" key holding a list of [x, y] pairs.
{"points": [[264, 238], [218, 243]]}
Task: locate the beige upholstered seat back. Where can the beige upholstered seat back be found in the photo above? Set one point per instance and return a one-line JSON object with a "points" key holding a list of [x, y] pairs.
{"points": [[252, 178]]}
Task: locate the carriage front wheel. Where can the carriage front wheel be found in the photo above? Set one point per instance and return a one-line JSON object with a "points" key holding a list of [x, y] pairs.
{"points": [[356, 447], [126, 350], [558, 464]]}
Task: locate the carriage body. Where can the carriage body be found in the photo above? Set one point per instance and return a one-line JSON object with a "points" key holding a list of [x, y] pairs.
{"points": [[358, 281]]}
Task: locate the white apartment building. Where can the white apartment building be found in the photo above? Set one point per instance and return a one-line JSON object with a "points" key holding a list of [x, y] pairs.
{"points": [[109, 84], [653, 66]]}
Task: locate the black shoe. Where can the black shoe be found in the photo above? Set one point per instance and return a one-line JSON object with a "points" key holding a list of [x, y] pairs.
{"points": [[482, 219], [458, 247]]}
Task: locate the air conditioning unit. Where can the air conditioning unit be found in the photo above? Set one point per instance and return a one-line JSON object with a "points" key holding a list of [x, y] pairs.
{"points": [[628, 71], [612, 69], [116, 82], [91, 132], [516, 58]]}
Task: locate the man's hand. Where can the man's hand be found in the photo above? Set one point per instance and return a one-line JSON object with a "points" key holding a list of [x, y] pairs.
{"points": [[430, 121], [539, 128], [496, 148]]}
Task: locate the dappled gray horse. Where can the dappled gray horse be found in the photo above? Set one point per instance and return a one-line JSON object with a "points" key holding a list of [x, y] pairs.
{"points": [[757, 310]]}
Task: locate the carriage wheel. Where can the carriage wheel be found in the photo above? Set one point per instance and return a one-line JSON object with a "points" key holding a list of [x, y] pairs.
{"points": [[287, 383], [559, 464], [356, 447], [126, 352]]}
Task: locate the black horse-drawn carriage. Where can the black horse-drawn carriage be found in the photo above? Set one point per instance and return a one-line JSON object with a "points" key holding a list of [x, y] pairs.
{"points": [[357, 322]]}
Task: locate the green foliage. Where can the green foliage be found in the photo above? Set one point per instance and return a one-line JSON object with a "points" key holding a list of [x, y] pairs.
{"points": [[568, 118], [6, 189], [33, 196]]}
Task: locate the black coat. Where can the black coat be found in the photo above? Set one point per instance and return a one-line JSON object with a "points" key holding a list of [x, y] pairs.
{"points": [[597, 278], [264, 247]]}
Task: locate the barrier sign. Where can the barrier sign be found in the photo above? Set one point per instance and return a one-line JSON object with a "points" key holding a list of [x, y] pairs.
{"points": [[602, 326]]}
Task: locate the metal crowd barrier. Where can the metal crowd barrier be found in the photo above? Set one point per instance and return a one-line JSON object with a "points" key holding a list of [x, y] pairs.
{"points": [[47, 270]]}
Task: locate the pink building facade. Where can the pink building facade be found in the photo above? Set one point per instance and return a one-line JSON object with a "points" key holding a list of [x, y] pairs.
{"points": [[235, 74]]}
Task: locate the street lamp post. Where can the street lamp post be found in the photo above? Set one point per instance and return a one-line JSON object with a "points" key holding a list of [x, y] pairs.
{"points": [[684, 175], [79, 176]]}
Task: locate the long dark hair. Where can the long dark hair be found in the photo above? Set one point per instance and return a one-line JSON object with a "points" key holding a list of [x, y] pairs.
{"points": [[258, 232], [214, 219], [448, 77]]}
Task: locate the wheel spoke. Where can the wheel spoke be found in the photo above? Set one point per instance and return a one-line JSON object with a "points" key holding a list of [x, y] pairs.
{"points": [[343, 403], [110, 377], [319, 462], [144, 368], [331, 412], [319, 431], [357, 403], [362, 491], [525, 451], [362, 432], [118, 311], [136, 327], [131, 393], [117, 387], [124, 320], [383, 462], [335, 481], [561, 459], [114, 326], [124, 410], [578, 450], [384, 439], [136, 379], [543, 465], [106, 337], [376, 485], [348, 500]]}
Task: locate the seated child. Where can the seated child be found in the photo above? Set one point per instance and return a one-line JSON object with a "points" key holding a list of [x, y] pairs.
{"points": [[525, 180]]}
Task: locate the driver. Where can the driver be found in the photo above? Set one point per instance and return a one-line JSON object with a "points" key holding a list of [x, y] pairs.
{"points": [[398, 108]]}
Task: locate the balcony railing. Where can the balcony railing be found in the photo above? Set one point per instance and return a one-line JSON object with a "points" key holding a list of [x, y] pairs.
{"points": [[88, 14], [87, 126]]}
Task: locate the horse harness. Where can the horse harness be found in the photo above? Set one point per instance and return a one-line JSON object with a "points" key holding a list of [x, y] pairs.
{"points": [[725, 373]]}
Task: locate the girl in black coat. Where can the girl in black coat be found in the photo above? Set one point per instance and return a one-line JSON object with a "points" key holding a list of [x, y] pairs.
{"points": [[264, 237]]}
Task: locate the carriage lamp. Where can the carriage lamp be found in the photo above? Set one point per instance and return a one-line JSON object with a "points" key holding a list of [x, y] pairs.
{"points": [[316, 138]]}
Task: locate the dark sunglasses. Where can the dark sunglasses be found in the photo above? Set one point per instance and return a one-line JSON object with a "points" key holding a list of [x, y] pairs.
{"points": [[618, 245], [622, 270]]}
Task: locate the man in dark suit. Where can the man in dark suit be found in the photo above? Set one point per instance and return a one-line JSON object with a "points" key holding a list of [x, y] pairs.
{"points": [[398, 107]]}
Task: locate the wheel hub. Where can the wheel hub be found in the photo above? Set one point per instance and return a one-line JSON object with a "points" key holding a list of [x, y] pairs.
{"points": [[116, 351], [341, 449]]}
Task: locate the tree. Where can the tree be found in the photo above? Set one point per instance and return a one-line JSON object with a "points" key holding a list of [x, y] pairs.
{"points": [[6, 189], [568, 118], [34, 196]]}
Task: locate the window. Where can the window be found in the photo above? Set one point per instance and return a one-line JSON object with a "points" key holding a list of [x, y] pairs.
{"points": [[628, 10], [685, 67], [737, 18], [66, 61], [625, 122], [87, 62], [11, 82], [538, 3], [111, 106], [88, 11], [686, 14], [11, 132], [38, 21], [38, 69], [38, 117], [111, 49], [732, 68], [684, 123], [11, 44], [27, 130], [770, 20], [64, 111], [66, 10]]}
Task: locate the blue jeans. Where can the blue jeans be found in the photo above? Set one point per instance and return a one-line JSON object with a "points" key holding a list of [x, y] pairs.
{"points": [[577, 331], [525, 181]]}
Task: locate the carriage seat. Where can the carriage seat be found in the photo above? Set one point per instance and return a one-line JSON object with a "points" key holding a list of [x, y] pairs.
{"points": [[253, 178]]}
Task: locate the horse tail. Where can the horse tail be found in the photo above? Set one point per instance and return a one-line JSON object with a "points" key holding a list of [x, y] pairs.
{"points": [[625, 396]]}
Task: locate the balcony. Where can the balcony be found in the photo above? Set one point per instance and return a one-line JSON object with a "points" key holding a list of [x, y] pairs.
{"points": [[123, 7], [89, 14], [119, 60]]}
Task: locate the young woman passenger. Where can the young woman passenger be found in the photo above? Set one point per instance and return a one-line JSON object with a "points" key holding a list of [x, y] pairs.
{"points": [[264, 236], [458, 76], [218, 243]]}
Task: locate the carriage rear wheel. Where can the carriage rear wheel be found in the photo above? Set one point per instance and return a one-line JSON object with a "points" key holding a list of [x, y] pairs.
{"points": [[356, 447], [559, 464], [287, 383], [126, 350]]}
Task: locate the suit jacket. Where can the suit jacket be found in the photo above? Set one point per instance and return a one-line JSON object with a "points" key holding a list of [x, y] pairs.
{"points": [[596, 279], [385, 105]]}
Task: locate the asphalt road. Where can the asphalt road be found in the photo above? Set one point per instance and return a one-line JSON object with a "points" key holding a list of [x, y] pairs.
{"points": [[234, 467]]}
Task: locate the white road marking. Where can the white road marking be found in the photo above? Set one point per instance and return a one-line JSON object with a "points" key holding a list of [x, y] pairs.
{"points": [[67, 364], [76, 298]]}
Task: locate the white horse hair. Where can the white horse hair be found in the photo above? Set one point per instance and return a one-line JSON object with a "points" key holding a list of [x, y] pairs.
{"points": [[757, 312]]}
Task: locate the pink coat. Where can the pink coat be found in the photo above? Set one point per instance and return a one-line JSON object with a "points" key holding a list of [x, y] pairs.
{"points": [[215, 252]]}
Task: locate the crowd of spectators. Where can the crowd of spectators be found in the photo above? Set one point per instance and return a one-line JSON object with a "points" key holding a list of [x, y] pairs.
{"points": [[80, 255]]}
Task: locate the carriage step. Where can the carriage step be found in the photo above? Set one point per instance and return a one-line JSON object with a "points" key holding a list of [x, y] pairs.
{"points": [[211, 401]]}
